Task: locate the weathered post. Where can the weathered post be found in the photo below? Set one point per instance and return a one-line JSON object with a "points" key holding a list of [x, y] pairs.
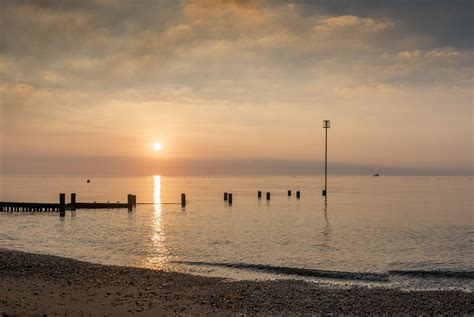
{"points": [[298, 194], [134, 198], [259, 194], [183, 200], [73, 201], [225, 196], [289, 193], [130, 202], [230, 198], [268, 195], [62, 204]]}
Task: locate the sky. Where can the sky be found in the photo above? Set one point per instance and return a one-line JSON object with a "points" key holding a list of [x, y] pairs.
{"points": [[236, 86]]}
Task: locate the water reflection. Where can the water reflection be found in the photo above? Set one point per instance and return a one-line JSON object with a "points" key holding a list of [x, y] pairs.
{"points": [[156, 255], [157, 193], [327, 228]]}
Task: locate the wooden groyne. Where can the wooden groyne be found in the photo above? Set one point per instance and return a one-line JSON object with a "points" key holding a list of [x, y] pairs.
{"points": [[45, 207], [28, 207], [62, 206], [103, 206]]}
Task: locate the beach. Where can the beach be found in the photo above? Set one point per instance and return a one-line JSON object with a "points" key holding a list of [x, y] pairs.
{"points": [[236, 158], [33, 284]]}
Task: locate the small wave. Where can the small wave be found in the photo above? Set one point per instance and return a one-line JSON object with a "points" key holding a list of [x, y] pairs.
{"points": [[380, 277], [434, 273], [363, 276]]}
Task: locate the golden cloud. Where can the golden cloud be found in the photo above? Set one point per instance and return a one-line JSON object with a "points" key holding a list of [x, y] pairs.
{"points": [[345, 22]]}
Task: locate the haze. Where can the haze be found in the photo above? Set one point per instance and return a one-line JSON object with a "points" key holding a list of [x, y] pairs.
{"points": [[236, 87]]}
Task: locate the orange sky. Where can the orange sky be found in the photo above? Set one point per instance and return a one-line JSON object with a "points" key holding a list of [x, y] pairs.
{"points": [[240, 80]]}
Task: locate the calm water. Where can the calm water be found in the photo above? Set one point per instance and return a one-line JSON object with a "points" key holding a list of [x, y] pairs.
{"points": [[408, 232]]}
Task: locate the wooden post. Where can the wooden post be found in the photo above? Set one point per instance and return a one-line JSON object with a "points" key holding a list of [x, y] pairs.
{"points": [[259, 194], [183, 200], [73, 201], [268, 195], [225, 196], [230, 198], [298, 194], [289, 193], [62, 204], [134, 200], [130, 202]]}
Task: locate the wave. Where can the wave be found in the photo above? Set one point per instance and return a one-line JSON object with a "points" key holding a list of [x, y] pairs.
{"points": [[435, 273], [296, 271], [362, 276]]}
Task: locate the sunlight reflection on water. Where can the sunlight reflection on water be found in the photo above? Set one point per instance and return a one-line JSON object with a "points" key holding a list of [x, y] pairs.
{"points": [[157, 254], [369, 224]]}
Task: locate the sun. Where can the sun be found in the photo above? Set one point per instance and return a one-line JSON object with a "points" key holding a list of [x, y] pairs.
{"points": [[157, 146]]}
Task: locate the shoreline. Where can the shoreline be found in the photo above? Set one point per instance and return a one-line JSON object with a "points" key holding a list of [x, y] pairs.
{"points": [[34, 284]]}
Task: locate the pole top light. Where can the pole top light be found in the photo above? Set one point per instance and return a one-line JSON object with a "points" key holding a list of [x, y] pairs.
{"points": [[326, 124]]}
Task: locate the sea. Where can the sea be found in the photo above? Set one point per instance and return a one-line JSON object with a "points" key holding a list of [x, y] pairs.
{"points": [[404, 232]]}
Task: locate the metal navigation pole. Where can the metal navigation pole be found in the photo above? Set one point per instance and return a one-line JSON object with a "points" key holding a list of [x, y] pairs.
{"points": [[326, 126]]}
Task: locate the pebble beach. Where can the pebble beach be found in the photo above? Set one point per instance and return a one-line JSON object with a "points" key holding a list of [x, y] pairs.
{"points": [[39, 285]]}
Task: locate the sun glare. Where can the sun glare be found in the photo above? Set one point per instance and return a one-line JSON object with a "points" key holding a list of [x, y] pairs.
{"points": [[157, 146]]}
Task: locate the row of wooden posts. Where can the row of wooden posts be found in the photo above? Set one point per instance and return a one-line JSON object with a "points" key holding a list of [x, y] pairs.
{"points": [[62, 206], [228, 196], [73, 205], [131, 202], [28, 207]]}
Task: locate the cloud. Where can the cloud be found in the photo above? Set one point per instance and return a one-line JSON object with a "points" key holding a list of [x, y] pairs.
{"points": [[443, 52], [202, 8], [434, 53], [17, 95], [367, 89], [174, 44], [442, 23], [205, 72], [410, 54], [345, 22]]}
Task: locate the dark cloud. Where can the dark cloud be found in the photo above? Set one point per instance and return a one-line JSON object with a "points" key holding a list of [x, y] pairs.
{"points": [[448, 22], [117, 44], [57, 28]]}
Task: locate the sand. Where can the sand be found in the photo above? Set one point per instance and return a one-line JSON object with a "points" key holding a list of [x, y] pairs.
{"points": [[32, 284]]}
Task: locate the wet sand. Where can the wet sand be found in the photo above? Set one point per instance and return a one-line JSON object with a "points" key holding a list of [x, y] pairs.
{"points": [[32, 284]]}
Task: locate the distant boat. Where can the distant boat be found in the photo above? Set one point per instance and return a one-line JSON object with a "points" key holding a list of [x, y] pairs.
{"points": [[376, 174]]}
